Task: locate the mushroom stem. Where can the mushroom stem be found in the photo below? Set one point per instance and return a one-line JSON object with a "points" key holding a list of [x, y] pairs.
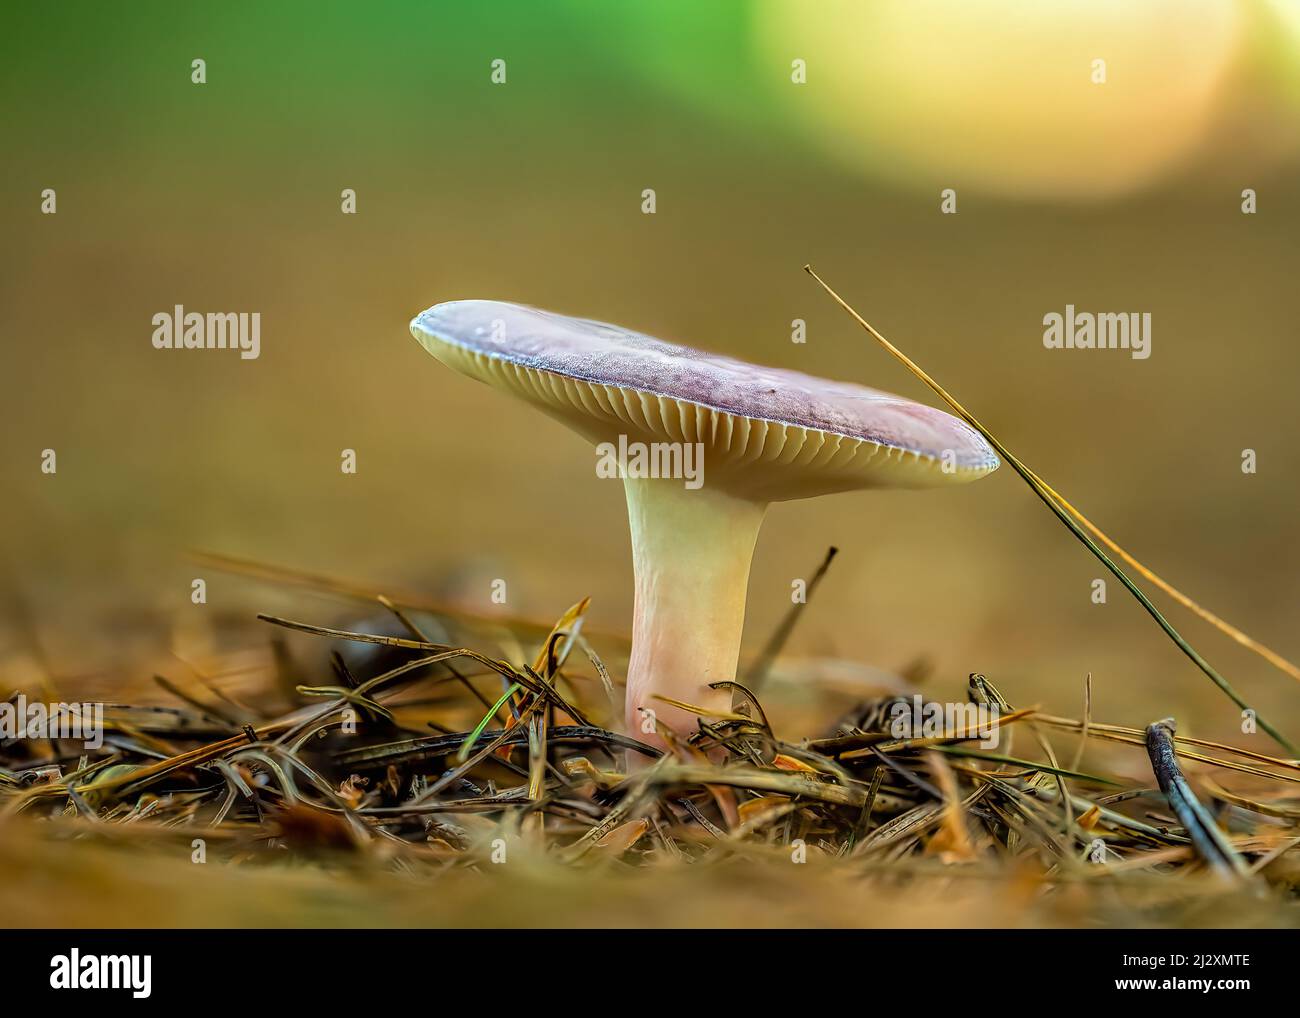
{"points": [[691, 552]]}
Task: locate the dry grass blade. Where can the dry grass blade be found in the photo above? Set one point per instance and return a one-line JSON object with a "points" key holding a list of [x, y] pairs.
{"points": [[1222, 625], [953, 840], [1272, 809], [1059, 509], [1135, 737], [763, 664], [356, 591]]}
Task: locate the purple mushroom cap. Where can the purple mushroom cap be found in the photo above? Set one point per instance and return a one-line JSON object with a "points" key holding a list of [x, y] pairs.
{"points": [[601, 378]]}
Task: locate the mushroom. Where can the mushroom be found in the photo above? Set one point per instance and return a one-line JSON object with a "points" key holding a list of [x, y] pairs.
{"points": [[759, 434]]}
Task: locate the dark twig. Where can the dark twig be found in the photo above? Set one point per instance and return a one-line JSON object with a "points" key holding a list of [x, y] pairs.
{"points": [[1211, 844]]}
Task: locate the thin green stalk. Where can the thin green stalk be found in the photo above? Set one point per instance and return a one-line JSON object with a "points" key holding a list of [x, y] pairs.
{"points": [[468, 744]]}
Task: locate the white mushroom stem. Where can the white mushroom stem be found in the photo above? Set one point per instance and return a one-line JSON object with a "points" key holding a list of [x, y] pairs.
{"points": [[691, 551]]}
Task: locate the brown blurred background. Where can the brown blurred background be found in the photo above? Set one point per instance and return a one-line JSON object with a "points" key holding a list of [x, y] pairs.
{"points": [[1117, 196]]}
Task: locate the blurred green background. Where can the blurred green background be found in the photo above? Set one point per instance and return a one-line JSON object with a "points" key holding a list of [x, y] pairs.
{"points": [[225, 196]]}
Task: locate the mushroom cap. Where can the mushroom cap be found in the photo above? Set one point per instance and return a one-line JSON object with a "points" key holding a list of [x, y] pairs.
{"points": [[766, 432]]}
